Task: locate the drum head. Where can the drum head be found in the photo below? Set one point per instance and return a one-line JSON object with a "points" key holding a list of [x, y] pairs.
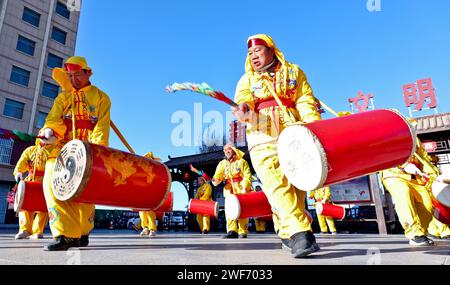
{"points": [[19, 196], [232, 207], [216, 209], [72, 170], [189, 205], [302, 158], [319, 208], [441, 191]]}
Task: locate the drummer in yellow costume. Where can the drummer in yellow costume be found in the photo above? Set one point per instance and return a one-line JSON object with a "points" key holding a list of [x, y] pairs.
{"points": [[204, 193], [268, 74], [85, 108], [409, 186], [236, 172], [323, 195], [32, 161], [148, 218]]}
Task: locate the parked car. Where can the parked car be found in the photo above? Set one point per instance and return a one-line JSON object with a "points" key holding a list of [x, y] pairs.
{"points": [[134, 224], [177, 220]]}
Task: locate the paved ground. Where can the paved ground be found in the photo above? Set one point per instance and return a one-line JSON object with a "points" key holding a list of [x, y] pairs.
{"points": [[182, 248]]}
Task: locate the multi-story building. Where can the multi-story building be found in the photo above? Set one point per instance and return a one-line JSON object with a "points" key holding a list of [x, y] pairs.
{"points": [[35, 37]]}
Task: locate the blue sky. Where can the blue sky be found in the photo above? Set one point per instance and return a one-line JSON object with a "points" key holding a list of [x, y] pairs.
{"points": [[138, 47]]}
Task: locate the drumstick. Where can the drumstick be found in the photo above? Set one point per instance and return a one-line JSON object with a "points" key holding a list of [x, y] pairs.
{"points": [[328, 108], [121, 137], [202, 88]]}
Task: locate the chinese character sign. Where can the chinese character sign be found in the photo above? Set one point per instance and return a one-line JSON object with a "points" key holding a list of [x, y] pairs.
{"points": [[364, 99], [420, 93]]}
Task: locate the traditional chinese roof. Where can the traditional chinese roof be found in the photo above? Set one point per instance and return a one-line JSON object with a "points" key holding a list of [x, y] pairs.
{"points": [[200, 159], [433, 123]]}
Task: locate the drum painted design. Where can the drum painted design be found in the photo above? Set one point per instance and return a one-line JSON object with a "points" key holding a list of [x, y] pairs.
{"points": [[30, 197], [335, 150], [89, 173], [330, 210], [241, 206], [205, 208]]}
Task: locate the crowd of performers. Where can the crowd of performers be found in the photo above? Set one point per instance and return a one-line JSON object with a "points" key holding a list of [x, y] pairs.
{"points": [[82, 111]]}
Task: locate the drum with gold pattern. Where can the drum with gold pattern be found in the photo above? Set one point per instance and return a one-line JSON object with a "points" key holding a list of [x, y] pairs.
{"points": [[94, 174]]}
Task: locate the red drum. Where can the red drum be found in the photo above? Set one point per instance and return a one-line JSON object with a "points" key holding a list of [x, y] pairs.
{"points": [[266, 218], [30, 197], [335, 150], [167, 206], [201, 207], [441, 212], [94, 174], [248, 205], [330, 210], [441, 192]]}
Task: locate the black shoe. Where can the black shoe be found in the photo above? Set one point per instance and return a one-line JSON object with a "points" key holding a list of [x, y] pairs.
{"points": [[231, 234], [62, 243], [421, 241], [303, 244], [205, 232], [446, 238], [286, 244], [259, 232], [84, 241], [242, 235]]}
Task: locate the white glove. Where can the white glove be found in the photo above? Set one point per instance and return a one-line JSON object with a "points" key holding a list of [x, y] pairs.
{"points": [[18, 177], [47, 136], [412, 169]]}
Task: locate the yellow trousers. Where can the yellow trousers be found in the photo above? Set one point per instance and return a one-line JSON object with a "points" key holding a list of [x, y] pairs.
{"points": [[204, 222], [260, 225], [148, 220], [31, 223], [438, 229], [240, 226], [412, 204], [69, 219], [287, 201], [323, 221]]}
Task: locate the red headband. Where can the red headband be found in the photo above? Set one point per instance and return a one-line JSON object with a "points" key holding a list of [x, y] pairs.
{"points": [[256, 42], [72, 67]]}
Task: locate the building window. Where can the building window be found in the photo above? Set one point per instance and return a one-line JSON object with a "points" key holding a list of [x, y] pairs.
{"points": [[50, 90], [54, 61], [31, 17], [25, 45], [13, 109], [59, 35], [20, 76], [62, 10], [41, 119], [6, 147]]}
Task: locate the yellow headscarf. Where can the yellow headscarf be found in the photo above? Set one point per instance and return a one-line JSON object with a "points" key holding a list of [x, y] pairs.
{"points": [[239, 154], [270, 44], [60, 74]]}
